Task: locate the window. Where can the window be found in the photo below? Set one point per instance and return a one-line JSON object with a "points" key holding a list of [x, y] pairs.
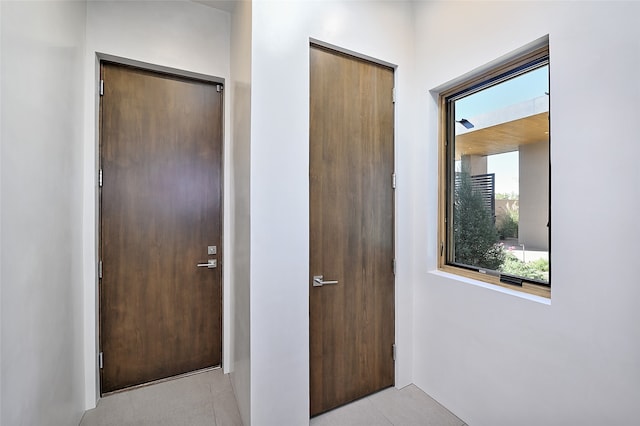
{"points": [[495, 176]]}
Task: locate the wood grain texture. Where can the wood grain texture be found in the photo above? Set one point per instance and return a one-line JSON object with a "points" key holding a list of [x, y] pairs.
{"points": [[504, 137], [161, 155], [351, 228]]}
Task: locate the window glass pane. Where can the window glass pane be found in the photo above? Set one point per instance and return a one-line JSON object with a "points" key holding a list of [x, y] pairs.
{"points": [[500, 182]]}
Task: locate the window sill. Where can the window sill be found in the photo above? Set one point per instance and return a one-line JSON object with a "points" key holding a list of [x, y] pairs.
{"points": [[494, 287]]}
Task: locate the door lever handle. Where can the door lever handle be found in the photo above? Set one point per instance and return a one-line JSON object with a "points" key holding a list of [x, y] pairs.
{"points": [[319, 282], [212, 263]]}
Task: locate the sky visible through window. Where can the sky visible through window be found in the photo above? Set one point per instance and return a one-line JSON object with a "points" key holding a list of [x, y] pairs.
{"points": [[521, 88]]}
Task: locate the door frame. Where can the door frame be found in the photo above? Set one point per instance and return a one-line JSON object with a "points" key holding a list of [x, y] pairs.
{"points": [[92, 211], [341, 50]]}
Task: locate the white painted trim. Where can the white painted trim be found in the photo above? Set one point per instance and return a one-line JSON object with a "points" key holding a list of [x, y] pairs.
{"points": [[89, 232]]}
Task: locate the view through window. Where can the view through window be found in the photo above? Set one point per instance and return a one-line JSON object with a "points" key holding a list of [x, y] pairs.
{"points": [[497, 215]]}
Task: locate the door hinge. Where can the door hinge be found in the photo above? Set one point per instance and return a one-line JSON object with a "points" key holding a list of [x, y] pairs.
{"points": [[393, 181], [100, 178], [393, 263], [393, 95], [441, 248], [100, 269], [393, 351], [101, 87], [100, 361], [219, 88]]}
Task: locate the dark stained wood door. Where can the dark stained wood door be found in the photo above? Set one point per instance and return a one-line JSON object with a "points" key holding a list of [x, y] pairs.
{"points": [[351, 228], [161, 159]]}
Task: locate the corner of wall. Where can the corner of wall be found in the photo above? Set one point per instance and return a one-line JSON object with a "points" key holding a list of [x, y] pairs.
{"points": [[239, 90]]}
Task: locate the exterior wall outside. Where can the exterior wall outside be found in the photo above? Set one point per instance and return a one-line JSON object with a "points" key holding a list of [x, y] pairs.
{"points": [[497, 357], [175, 34], [474, 164], [280, 185], [240, 91], [534, 196], [41, 245]]}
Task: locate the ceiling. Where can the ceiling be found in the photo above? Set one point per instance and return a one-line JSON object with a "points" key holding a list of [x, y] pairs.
{"points": [[504, 137]]}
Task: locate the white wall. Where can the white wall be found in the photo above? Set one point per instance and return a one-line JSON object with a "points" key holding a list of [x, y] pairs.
{"points": [[41, 246], [491, 357], [177, 34], [280, 187], [534, 195], [498, 359], [239, 89]]}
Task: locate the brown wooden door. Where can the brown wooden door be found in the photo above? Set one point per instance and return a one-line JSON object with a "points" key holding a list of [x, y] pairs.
{"points": [[351, 228], [161, 159]]}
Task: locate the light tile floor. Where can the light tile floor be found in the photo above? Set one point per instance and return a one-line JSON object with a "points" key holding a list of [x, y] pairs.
{"points": [[207, 399], [408, 406], [201, 399]]}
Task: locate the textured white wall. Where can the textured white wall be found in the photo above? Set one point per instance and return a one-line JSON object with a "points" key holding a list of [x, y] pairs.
{"points": [[280, 186], [177, 34], [41, 246], [496, 359], [240, 91]]}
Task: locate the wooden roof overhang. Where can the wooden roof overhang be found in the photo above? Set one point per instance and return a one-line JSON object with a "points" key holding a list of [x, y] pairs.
{"points": [[503, 137]]}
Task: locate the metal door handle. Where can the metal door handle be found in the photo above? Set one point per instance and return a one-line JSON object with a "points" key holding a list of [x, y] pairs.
{"points": [[318, 281], [212, 263]]}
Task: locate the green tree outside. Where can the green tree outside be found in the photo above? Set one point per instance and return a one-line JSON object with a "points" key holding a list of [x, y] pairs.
{"points": [[474, 233]]}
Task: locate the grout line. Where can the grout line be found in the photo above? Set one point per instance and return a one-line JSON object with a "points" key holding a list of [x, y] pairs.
{"points": [[462, 422], [379, 410], [213, 405]]}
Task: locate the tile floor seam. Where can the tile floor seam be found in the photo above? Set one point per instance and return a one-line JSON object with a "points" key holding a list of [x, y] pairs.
{"points": [[462, 422], [380, 411], [209, 400], [213, 405]]}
